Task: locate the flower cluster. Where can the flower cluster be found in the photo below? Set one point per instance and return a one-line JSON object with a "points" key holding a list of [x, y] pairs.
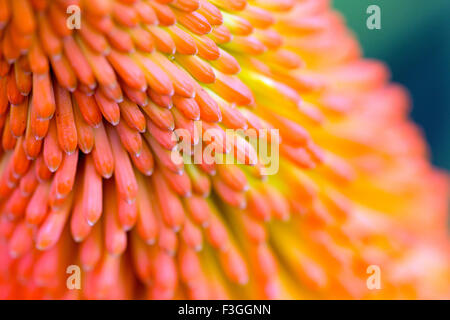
{"points": [[87, 175]]}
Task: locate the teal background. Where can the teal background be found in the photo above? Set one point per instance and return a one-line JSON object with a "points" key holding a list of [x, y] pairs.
{"points": [[414, 41]]}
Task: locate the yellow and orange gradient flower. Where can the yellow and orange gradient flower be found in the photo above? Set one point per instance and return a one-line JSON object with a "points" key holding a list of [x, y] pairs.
{"points": [[87, 178]]}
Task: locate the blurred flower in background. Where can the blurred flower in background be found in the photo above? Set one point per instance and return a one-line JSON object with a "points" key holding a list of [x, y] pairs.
{"points": [[415, 42]]}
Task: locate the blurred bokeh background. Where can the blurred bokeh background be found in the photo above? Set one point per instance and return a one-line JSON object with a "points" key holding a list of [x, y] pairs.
{"points": [[414, 41]]}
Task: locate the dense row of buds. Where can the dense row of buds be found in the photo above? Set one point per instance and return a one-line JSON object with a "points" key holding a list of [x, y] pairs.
{"points": [[87, 175]]}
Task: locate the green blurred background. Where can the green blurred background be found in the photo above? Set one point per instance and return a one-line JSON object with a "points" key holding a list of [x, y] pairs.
{"points": [[414, 41]]}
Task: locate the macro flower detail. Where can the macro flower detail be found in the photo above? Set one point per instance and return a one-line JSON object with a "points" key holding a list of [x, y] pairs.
{"points": [[89, 122]]}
